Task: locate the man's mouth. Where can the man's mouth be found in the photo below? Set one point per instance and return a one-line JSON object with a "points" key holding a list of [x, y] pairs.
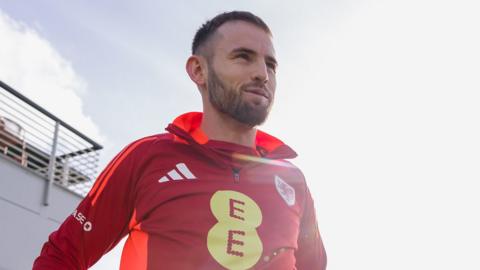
{"points": [[258, 91]]}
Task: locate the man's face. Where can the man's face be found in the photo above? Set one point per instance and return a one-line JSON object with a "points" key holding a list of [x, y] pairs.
{"points": [[241, 72]]}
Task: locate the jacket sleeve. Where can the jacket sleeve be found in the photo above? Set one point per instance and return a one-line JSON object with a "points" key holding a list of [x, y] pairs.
{"points": [[100, 220], [310, 254]]}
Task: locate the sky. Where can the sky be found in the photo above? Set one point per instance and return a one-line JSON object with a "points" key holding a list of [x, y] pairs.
{"points": [[379, 98]]}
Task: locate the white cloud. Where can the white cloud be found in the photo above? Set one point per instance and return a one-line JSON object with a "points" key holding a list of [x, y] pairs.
{"points": [[32, 66]]}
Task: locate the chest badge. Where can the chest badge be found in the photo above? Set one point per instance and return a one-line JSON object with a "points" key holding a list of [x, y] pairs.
{"points": [[285, 190]]}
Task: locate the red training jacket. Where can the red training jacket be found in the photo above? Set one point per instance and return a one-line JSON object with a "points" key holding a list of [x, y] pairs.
{"points": [[187, 202]]}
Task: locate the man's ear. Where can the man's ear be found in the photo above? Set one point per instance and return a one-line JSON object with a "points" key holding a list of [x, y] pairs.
{"points": [[196, 69]]}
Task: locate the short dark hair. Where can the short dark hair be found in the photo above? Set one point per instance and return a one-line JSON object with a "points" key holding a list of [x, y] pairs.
{"points": [[209, 27]]}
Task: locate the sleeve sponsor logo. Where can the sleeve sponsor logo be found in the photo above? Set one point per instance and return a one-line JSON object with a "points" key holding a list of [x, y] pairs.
{"points": [[233, 241], [86, 225]]}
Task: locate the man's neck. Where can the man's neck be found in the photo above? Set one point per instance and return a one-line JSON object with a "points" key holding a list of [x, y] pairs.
{"points": [[221, 127]]}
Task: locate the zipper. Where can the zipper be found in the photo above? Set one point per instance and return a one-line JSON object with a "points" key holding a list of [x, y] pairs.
{"points": [[236, 175]]}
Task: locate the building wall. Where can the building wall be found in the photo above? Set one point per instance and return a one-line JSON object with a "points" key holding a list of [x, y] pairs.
{"points": [[25, 222]]}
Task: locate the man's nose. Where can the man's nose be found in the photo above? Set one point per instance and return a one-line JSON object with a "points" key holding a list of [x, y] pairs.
{"points": [[260, 72]]}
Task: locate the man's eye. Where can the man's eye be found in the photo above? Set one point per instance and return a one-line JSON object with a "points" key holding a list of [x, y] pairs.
{"points": [[243, 56], [272, 66]]}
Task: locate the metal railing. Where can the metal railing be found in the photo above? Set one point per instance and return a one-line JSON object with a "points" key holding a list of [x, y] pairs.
{"points": [[41, 142]]}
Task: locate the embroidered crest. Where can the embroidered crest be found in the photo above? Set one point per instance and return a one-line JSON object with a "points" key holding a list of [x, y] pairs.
{"points": [[285, 190]]}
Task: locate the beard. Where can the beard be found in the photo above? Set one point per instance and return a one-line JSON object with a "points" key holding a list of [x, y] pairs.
{"points": [[229, 101]]}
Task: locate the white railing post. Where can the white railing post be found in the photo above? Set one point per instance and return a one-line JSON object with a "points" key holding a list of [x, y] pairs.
{"points": [[51, 165]]}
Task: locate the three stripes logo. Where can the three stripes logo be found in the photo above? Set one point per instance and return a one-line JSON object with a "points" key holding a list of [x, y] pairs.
{"points": [[181, 172]]}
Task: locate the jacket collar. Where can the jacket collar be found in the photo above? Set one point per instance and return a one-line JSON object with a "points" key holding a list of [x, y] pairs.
{"points": [[186, 129]]}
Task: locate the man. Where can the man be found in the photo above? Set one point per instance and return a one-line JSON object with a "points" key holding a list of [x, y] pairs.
{"points": [[212, 193]]}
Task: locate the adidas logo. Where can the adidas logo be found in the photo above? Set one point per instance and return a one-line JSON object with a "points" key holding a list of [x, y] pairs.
{"points": [[180, 173]]}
